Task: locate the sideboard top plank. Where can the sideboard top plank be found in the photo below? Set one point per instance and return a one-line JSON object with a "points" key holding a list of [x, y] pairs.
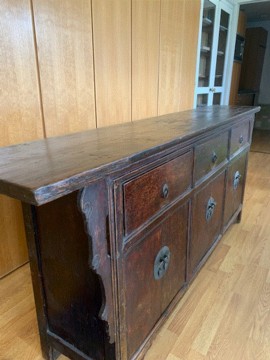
{"points": [[41, 171]]}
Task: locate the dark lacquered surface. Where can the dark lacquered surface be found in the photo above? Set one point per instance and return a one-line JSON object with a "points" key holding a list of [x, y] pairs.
{"points": [[41, 171], [144, 195], [146, 298]]}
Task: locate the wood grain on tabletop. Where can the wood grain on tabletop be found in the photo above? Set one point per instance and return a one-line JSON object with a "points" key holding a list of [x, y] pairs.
{"points": [[57, 165], [225, 314]]}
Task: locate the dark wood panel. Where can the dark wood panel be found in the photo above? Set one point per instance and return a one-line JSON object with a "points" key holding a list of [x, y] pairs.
{"points": [[252, 66], [210, 154], [234, 187], [73, 291], [146, 298], [148, 193], [205, 230], [41, 171], [239, 137]]}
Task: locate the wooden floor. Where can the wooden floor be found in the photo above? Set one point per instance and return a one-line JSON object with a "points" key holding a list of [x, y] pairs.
{"points": [[261, 141], [224, 315]]}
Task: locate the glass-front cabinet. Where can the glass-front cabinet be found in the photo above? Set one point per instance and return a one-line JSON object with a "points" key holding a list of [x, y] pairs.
{"points": [[213, 52]]}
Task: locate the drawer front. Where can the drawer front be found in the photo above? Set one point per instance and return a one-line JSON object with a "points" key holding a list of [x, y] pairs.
{"points": [[210, 154], [239, 137], [148, 287], [234, 187], [206, 219], [148, 193]]}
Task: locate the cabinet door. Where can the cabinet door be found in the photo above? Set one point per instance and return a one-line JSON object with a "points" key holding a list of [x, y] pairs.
{"points": [[215, 27], [154, 271], [234, 187], [206, 220]]}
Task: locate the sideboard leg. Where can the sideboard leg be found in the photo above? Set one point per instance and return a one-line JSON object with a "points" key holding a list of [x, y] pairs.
{"points": [[32, 237]]}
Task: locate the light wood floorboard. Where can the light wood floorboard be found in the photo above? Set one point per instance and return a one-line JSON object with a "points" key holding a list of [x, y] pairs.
{"points": [[224, 315]]}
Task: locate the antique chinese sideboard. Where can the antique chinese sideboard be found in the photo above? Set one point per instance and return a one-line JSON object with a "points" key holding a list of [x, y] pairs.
{"points": [[120, 219]]}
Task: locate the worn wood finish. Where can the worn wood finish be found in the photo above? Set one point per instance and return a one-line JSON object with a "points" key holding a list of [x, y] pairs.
{"points": [[234, 190], [227, 301], [20, 115], [205, 231], [79, 156], [159, 186], [65, 58], [210, 154], [240, 137], [94, 284], [145, 58], [112, 56], [138, 269]]}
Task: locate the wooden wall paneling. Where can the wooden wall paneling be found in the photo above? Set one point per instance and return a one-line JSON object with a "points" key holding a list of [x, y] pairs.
{"points": [[235, 83], [171, 43], [178, 49], [20, 115], [241, 26], [145, 57], [112, 57], [241, 30], [189, 56], [65, 54]]}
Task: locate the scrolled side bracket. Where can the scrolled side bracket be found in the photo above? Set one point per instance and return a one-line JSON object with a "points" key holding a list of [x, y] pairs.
{"points": [[93, 203]]}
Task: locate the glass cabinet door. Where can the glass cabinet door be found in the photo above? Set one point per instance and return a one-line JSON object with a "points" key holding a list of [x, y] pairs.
{"points": [[215, 26]]}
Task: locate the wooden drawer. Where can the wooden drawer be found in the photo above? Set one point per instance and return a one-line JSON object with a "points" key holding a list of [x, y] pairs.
{"points": [[210, 154], [148, 193], [147, 291], [239, 137], [234, 187], [206, 219]]}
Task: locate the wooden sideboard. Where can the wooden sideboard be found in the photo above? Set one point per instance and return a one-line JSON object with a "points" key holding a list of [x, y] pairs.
{"points": [[120, 219]]}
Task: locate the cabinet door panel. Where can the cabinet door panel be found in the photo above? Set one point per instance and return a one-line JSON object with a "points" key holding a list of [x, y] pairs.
{"points": [[234, 187], [206, 219], [147, 297]]}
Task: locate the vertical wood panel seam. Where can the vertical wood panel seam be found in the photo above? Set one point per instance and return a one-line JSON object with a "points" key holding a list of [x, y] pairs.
{"points": [[158, 80], [38, 69], [94, 67]]}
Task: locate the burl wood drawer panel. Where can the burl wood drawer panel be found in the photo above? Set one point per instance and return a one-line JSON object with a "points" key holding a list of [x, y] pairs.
{"points": [[239, 137], [206, 219], [210, 154], [234, 187], [154, 272], [147, 194]]}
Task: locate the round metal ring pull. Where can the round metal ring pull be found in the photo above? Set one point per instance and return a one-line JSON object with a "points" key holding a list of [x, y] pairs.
{"points": [[165, 191], [162, 262], [210, 208], [236, 179]]}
